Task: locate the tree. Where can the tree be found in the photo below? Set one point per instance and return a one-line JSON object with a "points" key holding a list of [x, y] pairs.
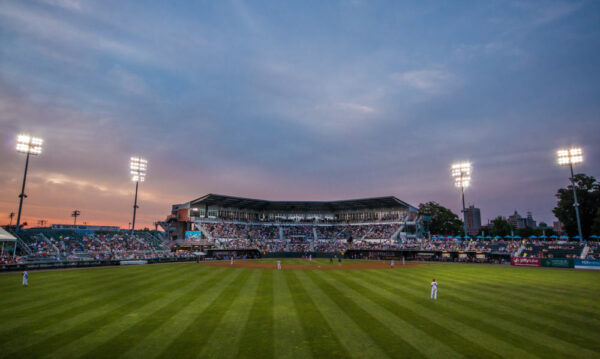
{"points": [[499, 227], [443, 220], [596, 224], [588, 196]]}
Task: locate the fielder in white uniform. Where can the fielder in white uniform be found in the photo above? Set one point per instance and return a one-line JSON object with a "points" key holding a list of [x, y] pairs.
{"points": [[434, 289], [310, 258], [25, 279], [392, 264], [278, 264], [231, 263]]}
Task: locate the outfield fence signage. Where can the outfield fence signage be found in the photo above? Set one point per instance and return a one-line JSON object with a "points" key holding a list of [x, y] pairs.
{"points": [[526, 261], [557, 262], [587, 264]]}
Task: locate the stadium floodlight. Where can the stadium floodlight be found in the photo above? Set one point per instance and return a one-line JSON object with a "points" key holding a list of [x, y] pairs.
{"points": [[570, 157], [137, 168], [28, 145], [461, 172]]}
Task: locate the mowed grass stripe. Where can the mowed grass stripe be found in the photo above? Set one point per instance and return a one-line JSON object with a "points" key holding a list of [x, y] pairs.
{"points": [[26, 339], [388, 342], [89, 345], [557, 282], [61, 295], [410, 332], [355, 338], [288, 337], [516, 335], [43, 286], [121, 341], [224, 340], [554, 306], [189, 342], [520, 313], [257, 339], [168, 325], [114, 310], [15, 327], [459, 336], [319, 336]]}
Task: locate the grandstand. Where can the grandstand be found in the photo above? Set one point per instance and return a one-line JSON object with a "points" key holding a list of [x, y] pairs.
{"points": [[215, 220]]}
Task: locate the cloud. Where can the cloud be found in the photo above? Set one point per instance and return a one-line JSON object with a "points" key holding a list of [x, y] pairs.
{"points": [[128, 82], [546, 12], [66, 4], [355, 107], [430, 81]]}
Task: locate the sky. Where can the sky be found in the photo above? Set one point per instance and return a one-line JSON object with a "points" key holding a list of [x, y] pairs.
{"points": [[294, 100]]}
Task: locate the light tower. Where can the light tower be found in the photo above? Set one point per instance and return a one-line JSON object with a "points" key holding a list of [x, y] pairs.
{"points": [[569, 158], [137, 167], [30, 146], [461, 172], [76, 213]]}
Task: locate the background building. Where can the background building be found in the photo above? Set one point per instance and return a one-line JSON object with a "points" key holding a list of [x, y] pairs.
{"points": [[473, 219]]}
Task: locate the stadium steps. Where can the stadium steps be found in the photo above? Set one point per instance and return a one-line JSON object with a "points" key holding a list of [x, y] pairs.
{"points": [[21, 243], [45, 239], [518, 252], [584, 252]]}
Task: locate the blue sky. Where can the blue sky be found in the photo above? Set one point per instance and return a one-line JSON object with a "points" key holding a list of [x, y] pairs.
{"points": [[296, 100]]}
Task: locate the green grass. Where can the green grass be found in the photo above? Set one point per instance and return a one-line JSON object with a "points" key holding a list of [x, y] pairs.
{"points": [[190, 310]]}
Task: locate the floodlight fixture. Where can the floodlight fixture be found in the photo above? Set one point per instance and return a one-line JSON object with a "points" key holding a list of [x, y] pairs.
{"points": [[138, 167], [462, 174], [29, 144], [570, 157]]}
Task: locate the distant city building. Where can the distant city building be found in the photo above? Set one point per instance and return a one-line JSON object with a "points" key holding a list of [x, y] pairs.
{"points": [[518, 222], [473, 220], [558, 227]]}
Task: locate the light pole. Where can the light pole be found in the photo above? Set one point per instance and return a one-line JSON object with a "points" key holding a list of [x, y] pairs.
{"points": [[30, 146], [461, 172], [75, 214], [137, 167], [569, 158]]}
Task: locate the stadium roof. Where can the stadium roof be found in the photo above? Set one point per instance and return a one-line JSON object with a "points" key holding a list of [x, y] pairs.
{"points": [[303, 206]]}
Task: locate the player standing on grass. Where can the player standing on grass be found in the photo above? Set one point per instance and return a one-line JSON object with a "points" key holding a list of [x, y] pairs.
{"points": [[434, 289], [25, 278], [310, 258]]}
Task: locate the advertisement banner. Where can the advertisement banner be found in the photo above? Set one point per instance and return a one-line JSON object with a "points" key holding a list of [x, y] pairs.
{"points": [[587, 264], [193, 235], [526, 262], [557, 262]]}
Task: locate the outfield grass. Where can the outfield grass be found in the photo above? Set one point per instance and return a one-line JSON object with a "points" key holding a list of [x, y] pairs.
{"points": [[190, 310]]}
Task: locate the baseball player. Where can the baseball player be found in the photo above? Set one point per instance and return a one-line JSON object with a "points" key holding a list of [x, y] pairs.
{"points": [[25, 279], [310, 258], [392, 264], [231, 261], [279, 265], [434, 285]]}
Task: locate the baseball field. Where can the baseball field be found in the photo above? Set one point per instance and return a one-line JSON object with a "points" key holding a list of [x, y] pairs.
{"points": [[209, 311]]}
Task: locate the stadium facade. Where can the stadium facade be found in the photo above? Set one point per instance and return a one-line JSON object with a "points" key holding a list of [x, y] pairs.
{"points": [[308, 220]]}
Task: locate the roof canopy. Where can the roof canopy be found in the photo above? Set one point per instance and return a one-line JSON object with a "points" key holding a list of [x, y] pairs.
{"points": [[6, 236], [301, 206]]}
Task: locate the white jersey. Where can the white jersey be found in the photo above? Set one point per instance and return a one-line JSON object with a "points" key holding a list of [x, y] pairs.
{"points": [[433, 285]]}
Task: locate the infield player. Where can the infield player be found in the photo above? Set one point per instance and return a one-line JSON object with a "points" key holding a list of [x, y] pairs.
{"points": [[25, 279], [231, 261], [279, 265], [434, 285], [310, 258], [392, 264], [402, 260]]}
